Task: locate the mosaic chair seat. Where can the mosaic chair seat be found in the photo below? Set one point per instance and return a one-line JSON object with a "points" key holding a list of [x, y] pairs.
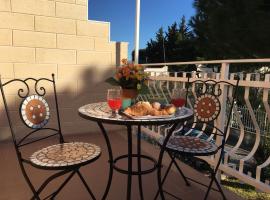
{"points": [[197, 137], [187, 131], [35, 113], [61, 156], [190, 145]]}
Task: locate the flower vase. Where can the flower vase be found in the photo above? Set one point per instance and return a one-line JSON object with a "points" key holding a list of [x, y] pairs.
{"points": [[128, 95]]}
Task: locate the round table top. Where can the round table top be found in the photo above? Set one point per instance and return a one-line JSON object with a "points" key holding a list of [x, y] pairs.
{"points": [[100, 112]]}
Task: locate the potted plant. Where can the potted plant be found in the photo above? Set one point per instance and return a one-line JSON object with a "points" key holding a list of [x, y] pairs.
{"points": [[131, 78]]}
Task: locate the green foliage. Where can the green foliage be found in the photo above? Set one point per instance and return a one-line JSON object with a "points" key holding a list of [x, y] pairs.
{"points": [[112, 81], [223, 29], [245, 191], [154, 50], [143, 89], [229, 29], [175, 44], [142, 58]]}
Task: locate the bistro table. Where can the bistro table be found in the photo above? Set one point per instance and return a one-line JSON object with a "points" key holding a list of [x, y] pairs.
{"points": [[101, 113]]}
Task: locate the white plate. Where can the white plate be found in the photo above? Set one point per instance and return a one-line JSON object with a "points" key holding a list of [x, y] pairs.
{"points": [[178, 112], [148, 116]]}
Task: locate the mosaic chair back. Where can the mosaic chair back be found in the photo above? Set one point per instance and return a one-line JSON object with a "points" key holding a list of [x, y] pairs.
{"points": [[204, 96], [37, 119], [38, 122]]}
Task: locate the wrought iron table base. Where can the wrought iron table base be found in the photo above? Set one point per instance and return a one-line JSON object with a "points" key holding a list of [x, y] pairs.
{"points": [[129, 156]]}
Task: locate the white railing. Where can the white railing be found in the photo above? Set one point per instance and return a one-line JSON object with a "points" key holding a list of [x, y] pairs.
{"points": [[162, 84], [156, 71], [261, 117]]}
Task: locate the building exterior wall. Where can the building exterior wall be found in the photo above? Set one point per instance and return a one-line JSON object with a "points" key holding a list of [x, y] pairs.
{"points": [[41, 37]]}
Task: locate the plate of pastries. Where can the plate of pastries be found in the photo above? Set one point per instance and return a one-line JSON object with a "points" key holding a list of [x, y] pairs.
{"points": [[146, 110]]}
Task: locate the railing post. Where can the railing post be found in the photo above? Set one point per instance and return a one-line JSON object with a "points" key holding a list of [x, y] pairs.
{"points": [[224, 75]]}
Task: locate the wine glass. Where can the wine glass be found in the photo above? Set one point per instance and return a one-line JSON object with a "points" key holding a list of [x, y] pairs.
{"points": [[114, 99], [178, 97]]}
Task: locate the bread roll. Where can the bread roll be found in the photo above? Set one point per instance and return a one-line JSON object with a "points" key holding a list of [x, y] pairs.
{"points": [[146, 105], [143, 108], [156, 105], [171, 109]]}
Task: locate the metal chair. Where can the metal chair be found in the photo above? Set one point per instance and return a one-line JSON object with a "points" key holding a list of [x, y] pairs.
{"points": [[66, 158], [197, 137]]}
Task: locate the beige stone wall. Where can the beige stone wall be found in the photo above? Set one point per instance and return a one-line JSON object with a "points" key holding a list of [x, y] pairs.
{"points": [[40, 37]]}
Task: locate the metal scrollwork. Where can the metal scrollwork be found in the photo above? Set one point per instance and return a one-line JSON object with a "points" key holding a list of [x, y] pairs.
{"points": [[22, 93], [207, 87], [41, 91]]}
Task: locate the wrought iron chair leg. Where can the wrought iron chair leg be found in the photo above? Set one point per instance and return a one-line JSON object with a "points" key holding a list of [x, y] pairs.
{"points": [[47, 181], [179, 169], [162, 150], [220, 189], [164, 178], [213, 178], [63, 185], [107, 140], [210, 186], [86, 185], [36, 196]]}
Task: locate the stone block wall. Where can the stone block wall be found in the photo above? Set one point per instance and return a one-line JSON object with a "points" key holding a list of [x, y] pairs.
{"points": [[41, 37]]}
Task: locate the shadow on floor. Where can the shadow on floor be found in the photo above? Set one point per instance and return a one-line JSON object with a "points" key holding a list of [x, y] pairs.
{"points": [[14, 187]]}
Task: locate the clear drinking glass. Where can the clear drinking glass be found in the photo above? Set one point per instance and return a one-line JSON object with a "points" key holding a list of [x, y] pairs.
{"points": [[178, 97], [114, 99]]}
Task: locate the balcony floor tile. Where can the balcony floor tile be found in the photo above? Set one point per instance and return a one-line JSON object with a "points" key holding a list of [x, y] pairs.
{"points": [[13, 185]]}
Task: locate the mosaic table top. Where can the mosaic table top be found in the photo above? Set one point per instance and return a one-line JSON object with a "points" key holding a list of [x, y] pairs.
{"points": [[101, 112]]}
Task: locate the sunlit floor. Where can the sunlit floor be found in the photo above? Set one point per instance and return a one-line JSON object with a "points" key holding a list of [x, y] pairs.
{"points": [[14, 187]]}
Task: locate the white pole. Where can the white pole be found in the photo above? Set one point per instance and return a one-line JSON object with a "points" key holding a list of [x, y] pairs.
{"points": [[137, 31]]}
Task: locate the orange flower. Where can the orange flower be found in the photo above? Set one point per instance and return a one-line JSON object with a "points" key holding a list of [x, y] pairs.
{"points": [[124, 61], [133, 73], [126, 71], [131, 66], [138, 67]]}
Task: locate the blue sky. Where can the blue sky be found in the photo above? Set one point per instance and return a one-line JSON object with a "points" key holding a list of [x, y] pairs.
{"points": [[154, 14]]}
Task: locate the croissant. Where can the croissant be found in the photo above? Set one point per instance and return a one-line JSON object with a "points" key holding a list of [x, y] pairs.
{"points": [[143, 108], [139, 109]]}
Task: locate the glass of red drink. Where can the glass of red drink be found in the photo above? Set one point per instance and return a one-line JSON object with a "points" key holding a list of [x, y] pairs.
{"points": [[114, 99], [178, 97]]}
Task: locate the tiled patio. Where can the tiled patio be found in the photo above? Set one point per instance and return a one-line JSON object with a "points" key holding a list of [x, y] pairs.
{"points": [[14, 187]]}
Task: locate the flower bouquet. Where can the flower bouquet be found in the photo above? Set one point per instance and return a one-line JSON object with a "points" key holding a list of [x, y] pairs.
{"points": [[130, 77]]}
